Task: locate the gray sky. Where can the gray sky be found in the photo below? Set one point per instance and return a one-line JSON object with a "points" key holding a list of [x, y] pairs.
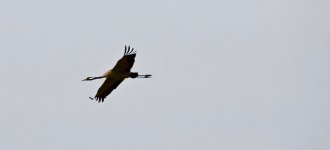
{"points": [[233, 75]]}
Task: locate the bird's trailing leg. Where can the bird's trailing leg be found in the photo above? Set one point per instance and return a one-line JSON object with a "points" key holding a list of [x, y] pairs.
{"points": [[144, 76]]}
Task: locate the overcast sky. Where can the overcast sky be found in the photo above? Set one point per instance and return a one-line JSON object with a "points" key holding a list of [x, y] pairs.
{"points": [[227, 74]]}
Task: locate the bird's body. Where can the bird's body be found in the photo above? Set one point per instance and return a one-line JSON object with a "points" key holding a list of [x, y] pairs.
{"points": [[115, 76]]}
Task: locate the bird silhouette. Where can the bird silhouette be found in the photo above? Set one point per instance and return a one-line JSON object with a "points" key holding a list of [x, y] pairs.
{"points": [[118, 74]]}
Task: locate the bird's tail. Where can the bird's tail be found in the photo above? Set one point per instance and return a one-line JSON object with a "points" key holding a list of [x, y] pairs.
{"points": [[133, 74]]}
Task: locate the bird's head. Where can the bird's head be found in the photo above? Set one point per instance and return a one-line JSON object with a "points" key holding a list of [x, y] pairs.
{"points": [[88, 79]]}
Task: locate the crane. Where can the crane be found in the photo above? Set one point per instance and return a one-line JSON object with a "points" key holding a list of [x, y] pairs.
{"points": [[116, 75]]}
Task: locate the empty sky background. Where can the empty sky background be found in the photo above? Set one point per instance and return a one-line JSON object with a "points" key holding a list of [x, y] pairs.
{"points": [[227, 74]]}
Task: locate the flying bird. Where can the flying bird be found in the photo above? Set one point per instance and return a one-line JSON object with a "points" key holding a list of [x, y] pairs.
{"points": [[118, 74]]}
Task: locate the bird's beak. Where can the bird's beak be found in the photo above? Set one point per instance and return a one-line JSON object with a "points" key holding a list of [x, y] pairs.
{"points": [[84, 80]]}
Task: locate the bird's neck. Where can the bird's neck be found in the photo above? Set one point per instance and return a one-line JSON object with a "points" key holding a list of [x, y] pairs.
{"points": [[98, 77]]}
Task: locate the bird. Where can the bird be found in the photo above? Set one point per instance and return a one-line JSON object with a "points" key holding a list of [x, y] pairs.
{"points": [[116, 75]]}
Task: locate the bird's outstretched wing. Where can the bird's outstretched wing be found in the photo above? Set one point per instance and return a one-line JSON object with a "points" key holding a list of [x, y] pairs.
{"points": [[107, 87], [125, 64]]}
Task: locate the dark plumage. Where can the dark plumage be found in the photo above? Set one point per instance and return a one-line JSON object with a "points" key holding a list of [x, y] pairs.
{"points": [[117, 75]]}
